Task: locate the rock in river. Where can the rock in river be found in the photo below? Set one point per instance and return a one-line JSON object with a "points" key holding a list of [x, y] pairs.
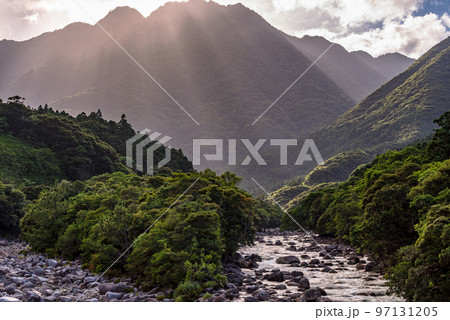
{"points": [[287, 260]]}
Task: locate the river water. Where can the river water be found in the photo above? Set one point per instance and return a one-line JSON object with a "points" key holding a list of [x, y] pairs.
{"points": [[350, 282]]}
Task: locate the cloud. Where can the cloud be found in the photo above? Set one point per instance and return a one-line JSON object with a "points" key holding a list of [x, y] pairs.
{"points": [[412, 36], [377, 26]]}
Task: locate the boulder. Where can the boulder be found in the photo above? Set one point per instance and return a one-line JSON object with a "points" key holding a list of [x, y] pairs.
{"points": [[33, 296], [276, 276], [251, 289], [220, 298], [311, 295], [113, 295], [251, 299], [324, 299], [10, 289], [287, 260], [9, 299], [4, 271], [303, 284], [106, 287], [371, 266], [297, 273], [52, 262], [261, 295], [255, 257]]}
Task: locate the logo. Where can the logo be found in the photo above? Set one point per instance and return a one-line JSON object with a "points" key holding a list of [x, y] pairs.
{"points": [[253, 151], [141, 151]]}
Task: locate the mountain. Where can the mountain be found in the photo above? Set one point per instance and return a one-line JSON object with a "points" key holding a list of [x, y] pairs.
{"points": [[399, 113], [358, 74], [389, 65], [224, 64]]}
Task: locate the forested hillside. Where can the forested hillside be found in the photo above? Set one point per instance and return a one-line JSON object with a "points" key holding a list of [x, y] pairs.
{"points": [[397, 208], [399, 113]]}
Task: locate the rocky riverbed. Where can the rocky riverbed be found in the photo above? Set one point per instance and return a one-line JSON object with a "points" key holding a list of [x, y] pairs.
{"points": [[281, 266], [286, 266], [31, 277]]}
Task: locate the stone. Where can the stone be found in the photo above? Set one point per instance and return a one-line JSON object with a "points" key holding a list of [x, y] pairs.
{"points": [[220, 298], [251, 289], [38, 271], [33, 296], [65, 299], [28, 285], [255, 257], [89, 280], [278, 243], [9, 299], [10, 289], [360, 266], [287, 260], [314, 262], [4, 271], [52, 262], [261, 295], [297, 273], [106, 287], [326, 269], [353, 260], [311, 295], [251, 299], [276, 276], [324, 299], [303, 284], [113, 295], [121, 287], [371, 266], [280, 287], [50, 298]]}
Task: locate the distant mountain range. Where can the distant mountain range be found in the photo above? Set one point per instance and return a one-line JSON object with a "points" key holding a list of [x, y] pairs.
{"points": [[398, 114], [401, 112], [357, 73], [224, 64]]}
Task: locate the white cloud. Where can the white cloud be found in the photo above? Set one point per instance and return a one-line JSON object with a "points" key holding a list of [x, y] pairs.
{"points": [[386, 26], [413, 36]]}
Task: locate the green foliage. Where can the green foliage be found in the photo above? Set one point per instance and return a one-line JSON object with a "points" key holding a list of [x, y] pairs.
{"points": [[43, 146], [399, 113], [175, 241], [12, 202], [397, 208]]}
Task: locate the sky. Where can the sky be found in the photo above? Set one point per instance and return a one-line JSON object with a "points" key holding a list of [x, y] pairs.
{"points": [[410, 27]]}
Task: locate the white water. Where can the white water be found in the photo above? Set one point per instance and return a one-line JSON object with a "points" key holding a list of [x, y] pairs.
{"points": [[348, 284]]}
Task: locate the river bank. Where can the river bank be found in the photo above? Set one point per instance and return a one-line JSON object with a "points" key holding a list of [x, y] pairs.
{"points": [[281, 266]]}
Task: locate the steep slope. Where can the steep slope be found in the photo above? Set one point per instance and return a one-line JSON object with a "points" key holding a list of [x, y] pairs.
{"points": [[389, 65], [399, 113], [224, 64], [357, 73]]}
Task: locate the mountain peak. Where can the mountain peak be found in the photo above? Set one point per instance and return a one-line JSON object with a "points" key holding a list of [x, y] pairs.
{"points": [[121, 14]]}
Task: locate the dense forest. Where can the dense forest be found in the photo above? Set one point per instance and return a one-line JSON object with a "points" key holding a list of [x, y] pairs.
{"points": [[396, 208], [67, 193]]}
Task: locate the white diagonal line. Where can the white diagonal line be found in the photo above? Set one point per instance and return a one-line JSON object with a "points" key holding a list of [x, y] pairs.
{"points": [[309, 68], [137, 63], [137, 239], [305, 231]]}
